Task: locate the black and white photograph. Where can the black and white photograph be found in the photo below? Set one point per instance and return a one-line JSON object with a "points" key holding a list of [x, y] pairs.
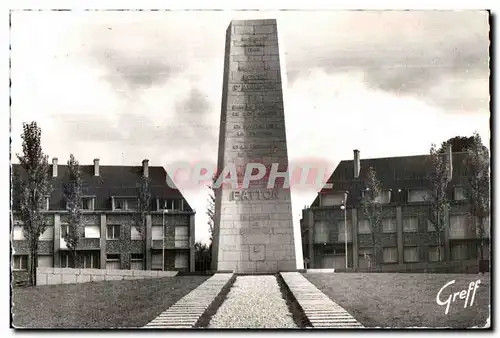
{"points": [[250, 169]]}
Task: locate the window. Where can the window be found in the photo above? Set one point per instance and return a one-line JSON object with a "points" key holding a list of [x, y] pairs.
{"points": [[384, 197], [365, 257], [18, 233], [181, 260], [459, 193], [418, 195], [66, 260], [113, 232], [364, 226], [92, 231], [87, 203], [486, 226], [328, 200], [48, 234], [45, 261], [410, 254], [90, 261], [321, 232], [156, 261], [134, 233], [20, 262], [113, 262], [430, 226], [136, 261], [170, 204], [120, 204], [341, 227], [64, 230], [389, 225], [390, 255], [486, 251], [156, 232], [410, 224], [181, 236], [434, 255], [458, 252], [123, 204], [132, 204], [458, 226]]}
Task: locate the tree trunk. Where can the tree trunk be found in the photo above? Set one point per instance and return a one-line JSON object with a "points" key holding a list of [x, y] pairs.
{"points": [[31, 265], [35, 261], [145, 246], [75, 264], [439, 246], [374, 249], [481, 238]]}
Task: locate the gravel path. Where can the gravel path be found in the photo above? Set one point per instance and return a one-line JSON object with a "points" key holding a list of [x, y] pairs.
{"points": [[253, 302]]}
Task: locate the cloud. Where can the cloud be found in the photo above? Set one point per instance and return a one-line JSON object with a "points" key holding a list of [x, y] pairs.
{"points": [[406, 53], [196, 103], [138, 72]]}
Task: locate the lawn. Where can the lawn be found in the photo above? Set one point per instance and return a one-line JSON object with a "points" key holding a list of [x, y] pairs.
{"points": [[111, 304], [406, 300]]}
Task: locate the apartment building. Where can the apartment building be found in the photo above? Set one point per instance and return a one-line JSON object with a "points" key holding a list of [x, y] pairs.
{"points": [[108, 236], [406, 234]]}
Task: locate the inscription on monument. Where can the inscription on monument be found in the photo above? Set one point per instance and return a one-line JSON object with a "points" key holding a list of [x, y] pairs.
{"points": [[254, 195], [259, 126], [255, 218], [250, 87]]}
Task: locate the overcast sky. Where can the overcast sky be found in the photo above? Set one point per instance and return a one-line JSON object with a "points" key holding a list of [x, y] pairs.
{"points": [[125, 86]]}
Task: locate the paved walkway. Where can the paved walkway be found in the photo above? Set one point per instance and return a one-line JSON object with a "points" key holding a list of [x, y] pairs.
{"points": [[253, 302], [186, 312], [320, 310]]}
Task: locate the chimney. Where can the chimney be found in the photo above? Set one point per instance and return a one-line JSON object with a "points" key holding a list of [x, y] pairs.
{"points": [[145, 169], [357, 164], [449, 154], [54, 167], [96, 167]]}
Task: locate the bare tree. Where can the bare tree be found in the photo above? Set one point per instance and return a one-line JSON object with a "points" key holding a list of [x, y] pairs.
{"points": [[73, 196], [211, 209], [34, 189], [372, 209], [478, 188], [143, 210], [211, 219], [202, 256], [438, 200]]}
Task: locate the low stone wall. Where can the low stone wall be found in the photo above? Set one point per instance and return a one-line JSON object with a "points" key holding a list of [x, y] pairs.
{"points": [[49, 276], [320, 270], [467, 266]]}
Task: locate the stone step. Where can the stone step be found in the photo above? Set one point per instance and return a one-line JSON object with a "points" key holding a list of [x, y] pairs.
{"points": [[186, 317], [333, 320], [320, 310], [186, 312]]}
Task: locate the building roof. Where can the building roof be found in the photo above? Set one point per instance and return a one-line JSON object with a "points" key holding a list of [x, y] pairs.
{"points": [[112, 181], [404, 172]]}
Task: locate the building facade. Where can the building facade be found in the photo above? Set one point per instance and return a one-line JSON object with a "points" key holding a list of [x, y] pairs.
{"points": [[109, 238], [406, 236]]}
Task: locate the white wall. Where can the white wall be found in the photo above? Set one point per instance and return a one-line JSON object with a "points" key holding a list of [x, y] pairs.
{"points": [[45, 261], [48, 234], [181, 260], [92, 231], [18, 233], [156, 232]]}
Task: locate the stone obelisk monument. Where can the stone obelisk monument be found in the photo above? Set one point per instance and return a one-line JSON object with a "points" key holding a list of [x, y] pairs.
{"points": [[254, 226]]}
